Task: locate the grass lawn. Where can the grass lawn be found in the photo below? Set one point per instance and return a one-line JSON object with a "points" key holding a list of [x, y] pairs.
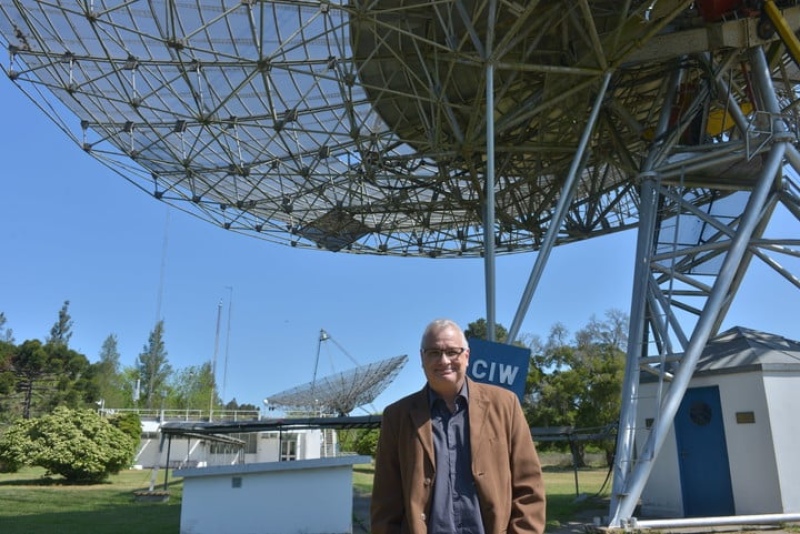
{"points": [[563, 503], [30, 503]]}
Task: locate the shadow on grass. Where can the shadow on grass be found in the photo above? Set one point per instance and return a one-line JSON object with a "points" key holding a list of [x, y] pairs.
{"points": [[133, 518], [159, 486], [566, 509], [58, 481], [562, 468]]}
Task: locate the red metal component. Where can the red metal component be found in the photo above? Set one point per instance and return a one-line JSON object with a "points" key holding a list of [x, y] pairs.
{"points": [[714, 10]]}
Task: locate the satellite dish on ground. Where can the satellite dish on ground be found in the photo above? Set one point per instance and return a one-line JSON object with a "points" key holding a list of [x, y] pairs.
{"points": [[339, 393]]}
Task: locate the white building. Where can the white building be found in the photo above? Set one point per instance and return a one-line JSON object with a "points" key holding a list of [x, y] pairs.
{"points": [[732, 449], [235, 448]]}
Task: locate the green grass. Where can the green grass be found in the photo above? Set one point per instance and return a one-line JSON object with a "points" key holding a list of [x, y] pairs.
{"points": [[29, 502], [563, 503]]}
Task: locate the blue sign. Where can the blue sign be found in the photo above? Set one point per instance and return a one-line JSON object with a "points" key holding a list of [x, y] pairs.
{"points": [[499, 364]]}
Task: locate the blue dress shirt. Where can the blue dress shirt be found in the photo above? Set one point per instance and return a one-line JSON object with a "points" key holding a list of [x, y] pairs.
{"points": [[454, 507]]}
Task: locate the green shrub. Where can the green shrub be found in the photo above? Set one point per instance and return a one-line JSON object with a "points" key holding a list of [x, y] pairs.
{"points": [[359, 440], [79, 445], [367, 442], [15, 448], [130, 423]]}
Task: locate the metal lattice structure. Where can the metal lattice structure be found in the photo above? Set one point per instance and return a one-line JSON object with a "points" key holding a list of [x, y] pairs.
{"points": [[340, 393], [455, 128], [298, 123]]}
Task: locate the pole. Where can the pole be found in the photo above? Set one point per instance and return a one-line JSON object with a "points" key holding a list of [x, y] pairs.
{"points": [[212, 385], [227, 341], [489, 211]]}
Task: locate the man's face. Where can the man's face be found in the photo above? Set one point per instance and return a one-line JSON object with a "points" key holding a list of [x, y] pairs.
{"points": [[444, 362]]}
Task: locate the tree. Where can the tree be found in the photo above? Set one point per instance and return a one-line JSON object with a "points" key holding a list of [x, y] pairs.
{"points": [[247, 407], [75, 383], [233, 406], [479, 329], [79, 445], [36, 378], [6, 334], [603, 345], [109, 379], [8, 405], [154, 369], [30, 369], [130, 385], [7, 350], [61, 332], [191, 387], [578, 384]]}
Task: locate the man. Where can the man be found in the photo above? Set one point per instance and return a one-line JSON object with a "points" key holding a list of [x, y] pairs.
{"points": [[457, 456]]}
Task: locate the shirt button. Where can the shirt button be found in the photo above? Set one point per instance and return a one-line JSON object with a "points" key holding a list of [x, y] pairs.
{"points": [[427, 481], [422, 516]]}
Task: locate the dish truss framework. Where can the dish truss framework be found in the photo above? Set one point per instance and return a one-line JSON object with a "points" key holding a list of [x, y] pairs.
{"points": [[453, 128], [340, 393]]}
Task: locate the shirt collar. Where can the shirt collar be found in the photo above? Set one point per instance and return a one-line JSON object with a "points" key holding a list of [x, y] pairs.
{"points": [[433, 396]]}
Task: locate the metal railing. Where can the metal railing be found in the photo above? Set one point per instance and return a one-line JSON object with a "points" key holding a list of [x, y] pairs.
{"points": [[178, 414]]}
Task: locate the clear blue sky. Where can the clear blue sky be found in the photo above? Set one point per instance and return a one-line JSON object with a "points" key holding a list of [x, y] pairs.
{"points": [[74, 230]]}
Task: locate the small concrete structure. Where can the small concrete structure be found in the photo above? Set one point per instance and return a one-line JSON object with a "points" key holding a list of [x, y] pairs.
{"points": [[298, 497], [732, 449]]}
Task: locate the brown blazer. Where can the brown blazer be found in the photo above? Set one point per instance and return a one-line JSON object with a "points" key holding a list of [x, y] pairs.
{"points": [[505, 465]]}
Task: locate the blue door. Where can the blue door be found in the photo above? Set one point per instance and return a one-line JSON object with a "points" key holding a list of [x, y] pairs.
{"points": [[703, 454]]}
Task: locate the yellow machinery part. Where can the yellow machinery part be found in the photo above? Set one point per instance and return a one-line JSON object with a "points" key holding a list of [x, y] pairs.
{"points": [[720, 120], [787, 35]]}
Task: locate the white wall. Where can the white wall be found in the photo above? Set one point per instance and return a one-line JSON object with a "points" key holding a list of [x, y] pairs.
{"points": [[761, 483], [305, 496], [661, 496], [268, 449], [181, 451], [783, 399], [311, 446], [751, 453]]}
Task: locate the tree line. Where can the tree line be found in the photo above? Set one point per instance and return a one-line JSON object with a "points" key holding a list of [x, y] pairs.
{"points": [[38, 376]]}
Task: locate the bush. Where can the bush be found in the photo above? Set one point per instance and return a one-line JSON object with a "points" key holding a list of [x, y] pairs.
{"points": [[79, 445], [367, 442], [15, 447], [130, 423], [359, 440]]}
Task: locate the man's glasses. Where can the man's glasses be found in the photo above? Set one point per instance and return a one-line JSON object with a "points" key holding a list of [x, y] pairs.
{"points": [[435, 354]]}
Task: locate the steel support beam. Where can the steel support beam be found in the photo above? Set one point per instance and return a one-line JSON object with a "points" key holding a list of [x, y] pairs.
{"points": [[488, 223], [564, 200], [636, 335], [628, 489]]}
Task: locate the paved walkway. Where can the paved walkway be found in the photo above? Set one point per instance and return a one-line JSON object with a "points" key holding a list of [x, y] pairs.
{"points": [[360, 513]]}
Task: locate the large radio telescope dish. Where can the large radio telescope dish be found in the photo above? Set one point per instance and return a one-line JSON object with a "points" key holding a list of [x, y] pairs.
{"points": [[367, 126], [360, 126], [340, 393]]}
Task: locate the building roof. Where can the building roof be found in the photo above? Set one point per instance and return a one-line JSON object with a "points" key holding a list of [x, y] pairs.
{"points": [[179, 428], [742, 349]]}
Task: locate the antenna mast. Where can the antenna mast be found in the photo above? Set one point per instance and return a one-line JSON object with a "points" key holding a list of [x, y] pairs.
{"points": [[214, 363]]}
